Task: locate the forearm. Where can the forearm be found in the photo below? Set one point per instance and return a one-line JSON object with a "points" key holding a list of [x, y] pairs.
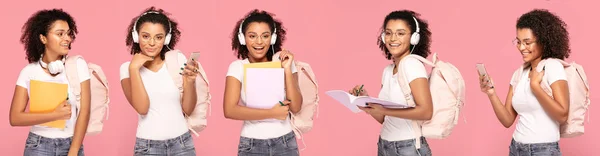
{"points": [[189, 97], [30, 119], [80, 130], [139, 98], [293, 91], [416, 113], [238, 112], [501, 111]]}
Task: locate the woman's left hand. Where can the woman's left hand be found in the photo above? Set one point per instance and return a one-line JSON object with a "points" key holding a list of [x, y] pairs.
{"points": [[286, 58], [190, 71]]}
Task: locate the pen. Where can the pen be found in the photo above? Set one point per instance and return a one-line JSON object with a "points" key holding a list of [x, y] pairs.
{"points": [[359, 90]]}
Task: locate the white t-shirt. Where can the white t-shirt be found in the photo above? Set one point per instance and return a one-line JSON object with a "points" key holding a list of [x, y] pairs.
{"points": [[396, 129], [34, 71], [165, 118], [535, 126], [258, 129]]}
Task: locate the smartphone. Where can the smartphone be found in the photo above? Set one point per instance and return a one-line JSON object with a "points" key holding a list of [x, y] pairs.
{"points": [[482, 72], [195, 56], [481, 69]]}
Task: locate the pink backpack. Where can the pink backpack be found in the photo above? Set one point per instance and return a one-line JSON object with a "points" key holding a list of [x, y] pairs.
{"points": [[197, 120], [579, 96], [98, 90], [303, 120], [447, 92]]}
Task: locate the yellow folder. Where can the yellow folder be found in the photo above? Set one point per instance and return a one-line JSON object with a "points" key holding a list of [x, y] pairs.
{"points": [[44, 97], [274, 64]]}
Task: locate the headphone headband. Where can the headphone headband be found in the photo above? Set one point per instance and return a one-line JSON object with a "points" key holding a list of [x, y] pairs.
{"points": [[134, 33], [242, 39]]}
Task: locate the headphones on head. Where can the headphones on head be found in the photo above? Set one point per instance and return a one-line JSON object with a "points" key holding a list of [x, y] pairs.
{"points": [[414, 38], [53, 67], [135, 35], [242, 38]]}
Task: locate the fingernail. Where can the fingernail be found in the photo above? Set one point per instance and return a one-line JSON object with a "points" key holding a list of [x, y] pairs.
{"points": [[180, 74], [184, 64], [182, 68], [367, 104], [193, 60]]}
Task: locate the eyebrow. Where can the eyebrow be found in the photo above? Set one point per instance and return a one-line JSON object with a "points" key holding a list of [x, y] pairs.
{"points": [[143, 32], [396, 29], [267, 32]]}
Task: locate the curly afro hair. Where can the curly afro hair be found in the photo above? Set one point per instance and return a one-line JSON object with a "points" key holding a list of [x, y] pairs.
{"points": [[421, 49], [162, 19], [261, 17], [550, 31], [39, 24]]}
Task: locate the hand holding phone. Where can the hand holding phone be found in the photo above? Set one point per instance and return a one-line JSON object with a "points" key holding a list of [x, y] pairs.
{"points": [[484, 79]]}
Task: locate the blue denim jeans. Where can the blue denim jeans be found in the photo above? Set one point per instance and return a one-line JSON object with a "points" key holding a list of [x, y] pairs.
{"points": [[37, 145], [182, 145], [402, 148], [538, 149], [285, 145]]}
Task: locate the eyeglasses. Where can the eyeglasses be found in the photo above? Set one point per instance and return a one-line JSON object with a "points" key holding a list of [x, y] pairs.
{"points": [[527, 44]]}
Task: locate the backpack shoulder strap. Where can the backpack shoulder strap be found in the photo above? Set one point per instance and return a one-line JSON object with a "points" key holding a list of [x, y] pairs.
{"points": [[174, 66], [73, 75]]}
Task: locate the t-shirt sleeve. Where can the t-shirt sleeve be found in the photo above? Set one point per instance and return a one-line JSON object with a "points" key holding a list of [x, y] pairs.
{"points": [[554, 70], [83, 70], [24, 77], [124, 71], [235, 70], [414, 69]]}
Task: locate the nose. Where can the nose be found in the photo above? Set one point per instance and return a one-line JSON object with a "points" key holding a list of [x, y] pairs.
{"points": [[521, 47], [393, 37]]}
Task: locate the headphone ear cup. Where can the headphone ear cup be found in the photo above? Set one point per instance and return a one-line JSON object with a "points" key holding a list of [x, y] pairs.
{"points": [[167, 39], [273, 39], [383, 38], [56, 67], [414, 39], [135, 36], [241, 38]]}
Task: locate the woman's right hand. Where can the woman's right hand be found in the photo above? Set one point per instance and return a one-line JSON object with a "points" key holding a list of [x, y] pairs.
{"points": [[281, 112], [138, 61], [487, 85], [63, 110], [357, 89]]}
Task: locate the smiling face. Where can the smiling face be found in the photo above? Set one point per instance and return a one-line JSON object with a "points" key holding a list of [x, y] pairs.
{"points": [[152, 38], [526, 42], [58, 39], [258, 40], [397, 37]]}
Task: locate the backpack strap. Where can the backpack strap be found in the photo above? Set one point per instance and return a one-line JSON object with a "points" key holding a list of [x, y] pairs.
{"points": [[73, 77], [174, 66]]}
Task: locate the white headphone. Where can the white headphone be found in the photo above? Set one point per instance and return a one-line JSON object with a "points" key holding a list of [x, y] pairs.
{"points": [[414, 39], [135, 35], [53, 67], [242, 38]]}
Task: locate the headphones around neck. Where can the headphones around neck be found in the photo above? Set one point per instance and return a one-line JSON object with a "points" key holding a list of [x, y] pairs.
{"points": [[53, 67], [414, 38], [242, 38], [135, 35]]}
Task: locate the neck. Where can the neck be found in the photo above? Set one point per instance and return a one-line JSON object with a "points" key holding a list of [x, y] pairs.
{"points": [[50, 57], [255, 60], [534, 63], [154, 63], [397, 59]]}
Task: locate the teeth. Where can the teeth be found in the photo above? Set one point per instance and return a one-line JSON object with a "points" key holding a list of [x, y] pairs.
{"points": [[394, 45]]}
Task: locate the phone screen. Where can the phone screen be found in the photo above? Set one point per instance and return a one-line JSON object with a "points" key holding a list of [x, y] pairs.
{"points": [[481, 69]]}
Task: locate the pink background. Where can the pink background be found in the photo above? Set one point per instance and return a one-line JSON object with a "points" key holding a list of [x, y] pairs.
{"points": [[338, 39]]}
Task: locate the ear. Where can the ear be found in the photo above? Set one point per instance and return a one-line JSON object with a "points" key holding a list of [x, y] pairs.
{"points": [[43, 39]]}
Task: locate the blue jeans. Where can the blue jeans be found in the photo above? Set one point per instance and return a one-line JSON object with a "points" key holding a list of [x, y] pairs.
{"points": [[538, 149], [282, 146], [182, 145], [37, 145], [402, 148]]}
